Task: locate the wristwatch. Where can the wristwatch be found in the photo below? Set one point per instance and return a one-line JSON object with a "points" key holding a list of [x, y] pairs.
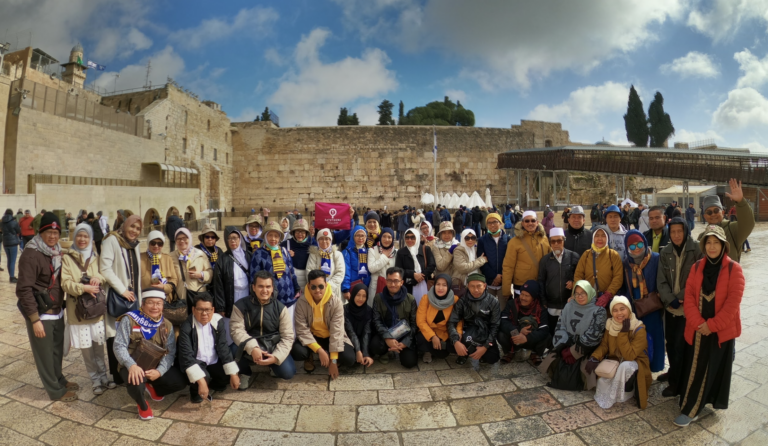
{"points": [[333, 361]]}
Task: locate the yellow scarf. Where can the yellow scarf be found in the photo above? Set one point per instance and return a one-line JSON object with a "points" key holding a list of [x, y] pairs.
{"points": [[319, 328], [278, 264], [372, 237]]}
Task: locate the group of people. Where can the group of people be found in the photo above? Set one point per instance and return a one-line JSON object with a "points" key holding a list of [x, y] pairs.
{"points": [[601, 303]]}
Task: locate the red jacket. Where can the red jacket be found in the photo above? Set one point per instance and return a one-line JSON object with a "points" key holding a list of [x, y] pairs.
{"points": [[25, 223], [728, 293]]}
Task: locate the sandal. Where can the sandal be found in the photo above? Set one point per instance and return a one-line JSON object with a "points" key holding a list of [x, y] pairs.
{"points": [[72, 386], [68, 397]]}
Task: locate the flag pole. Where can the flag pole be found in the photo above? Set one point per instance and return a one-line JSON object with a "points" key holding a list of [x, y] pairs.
{"points": [[434, 167]]}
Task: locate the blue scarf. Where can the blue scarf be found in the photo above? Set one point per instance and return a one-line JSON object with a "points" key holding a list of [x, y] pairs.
{"points": [[362, 262], [147, 325]]}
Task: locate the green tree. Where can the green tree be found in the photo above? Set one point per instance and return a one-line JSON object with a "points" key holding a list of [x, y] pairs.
{"points": [[401, 114], [343, 117], [635, 121], [659, 123], [385, 113], [265, 115], [257, 119], [352, 120]]}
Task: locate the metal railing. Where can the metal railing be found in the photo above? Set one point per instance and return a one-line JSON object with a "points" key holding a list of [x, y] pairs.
{"points": [[41, 178]]}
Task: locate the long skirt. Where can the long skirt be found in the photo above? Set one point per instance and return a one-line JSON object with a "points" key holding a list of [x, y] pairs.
{"points": [[706, 375], [611, 390]]}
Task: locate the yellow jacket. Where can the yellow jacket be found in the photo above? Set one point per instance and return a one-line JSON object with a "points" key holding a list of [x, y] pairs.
{"points": [[610, 271], [518, 267]]}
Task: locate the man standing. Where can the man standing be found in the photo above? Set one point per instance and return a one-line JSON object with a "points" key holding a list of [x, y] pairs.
{"points": [[27, 231], [617, 231], [636, 213], [173, 224], [480, 314], [578, 238], [736, 232], [403, 224], [669, 212], [556, 271], [658, 235], [690, 216], [525, 251], [494, 246], [675, 262], [36, 221]]}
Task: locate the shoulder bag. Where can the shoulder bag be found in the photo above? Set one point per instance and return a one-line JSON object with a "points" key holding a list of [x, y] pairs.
{"points": [[175, 310], [117, 305], [89, 306], [191, 294], [148, 354], [648, 304], [43, 296], [607, 368]]}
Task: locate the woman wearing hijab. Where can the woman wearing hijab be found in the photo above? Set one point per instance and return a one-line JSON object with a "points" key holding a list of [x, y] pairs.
{"points": [[298, 245], [285, 225], [194, 267], [88, 335], [432, 319], [579, 331], [277, 261], [382, 257], [358, 323], [158, 270], [640, 269], [418, 263], [231, 277], [442, 249], [327, 258], [548, 222], [465, 260], [120, 265], [356, 261], [606, 262], [713, 295], [624, 341], [524, 326], [207, 246]]}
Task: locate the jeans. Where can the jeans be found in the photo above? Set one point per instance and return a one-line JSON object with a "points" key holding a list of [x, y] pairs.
{"points": [[286, 370], [302, 352], [11, 252], [691, 224], [744, 247]]}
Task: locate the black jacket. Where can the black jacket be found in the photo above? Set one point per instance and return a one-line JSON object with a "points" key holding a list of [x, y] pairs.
{"points": [[260, 319], [665, 279], [510, 314], [96, 227], [360, 340], [386, 220], [186, 346], [224, 282], [553, 276], [172, 225], [664, 238], [11, 231], [481, 317], [404, 260], [406, 310], [477, 216], [578, 242]]}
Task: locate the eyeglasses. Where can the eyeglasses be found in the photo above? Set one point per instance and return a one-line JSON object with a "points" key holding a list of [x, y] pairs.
{"points": [[492, 222], [317, 287], [556, 241], [529, 221], [393, 281], [712, 211], [581, 294], [637, 245], [206, 311], [156, 243], [210, 237], [470, 238]]}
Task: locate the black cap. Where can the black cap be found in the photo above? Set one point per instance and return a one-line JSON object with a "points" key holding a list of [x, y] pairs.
{"points": [[49, 221]]}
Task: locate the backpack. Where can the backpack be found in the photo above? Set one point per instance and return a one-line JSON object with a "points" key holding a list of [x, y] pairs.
{"points": [[595, 214], [508, 220]]}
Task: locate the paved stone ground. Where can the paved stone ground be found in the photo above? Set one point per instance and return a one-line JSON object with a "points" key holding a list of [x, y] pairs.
{"points": [[386, 404]]}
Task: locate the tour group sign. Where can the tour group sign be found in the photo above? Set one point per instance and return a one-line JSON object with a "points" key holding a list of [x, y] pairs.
{"points": [[332, 215]]}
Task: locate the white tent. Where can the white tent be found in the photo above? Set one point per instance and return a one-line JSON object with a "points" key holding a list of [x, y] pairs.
{"points": [[475, 200], [464, 199], [453, 201], [427, 199], [488, 201], [632, 204]]}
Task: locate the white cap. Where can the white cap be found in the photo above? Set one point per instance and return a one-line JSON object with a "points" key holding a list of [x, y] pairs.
{"points": [[555, 232], [530, 214], [152, 292], [154, 235]]}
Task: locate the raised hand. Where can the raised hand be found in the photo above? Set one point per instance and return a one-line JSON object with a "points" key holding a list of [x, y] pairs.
{"points": [[737, 194]]}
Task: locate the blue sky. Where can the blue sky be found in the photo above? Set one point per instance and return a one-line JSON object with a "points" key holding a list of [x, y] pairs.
{"points": [[564, 61]]}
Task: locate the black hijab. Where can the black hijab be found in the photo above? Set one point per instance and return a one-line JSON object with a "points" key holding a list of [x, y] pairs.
{"points": [[358, 315], [712, 268]]}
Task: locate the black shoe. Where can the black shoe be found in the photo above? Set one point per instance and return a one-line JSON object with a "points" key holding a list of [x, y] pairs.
{"points": [[195, 398], [630, 384], [14, 280], [461, 360], [663, 377], [669, 392]]}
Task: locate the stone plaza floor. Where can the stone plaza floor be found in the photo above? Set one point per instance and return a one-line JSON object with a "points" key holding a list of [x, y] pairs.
{"points": [[436, 403]]}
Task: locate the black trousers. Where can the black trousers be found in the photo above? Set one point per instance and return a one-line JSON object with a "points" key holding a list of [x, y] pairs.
{"points": [[214, 377], [408, 357], [505, 340], [98, 246], [425, 346], [302, 353], [491, 356], [171, 381], [674, 334], [112, 361]]}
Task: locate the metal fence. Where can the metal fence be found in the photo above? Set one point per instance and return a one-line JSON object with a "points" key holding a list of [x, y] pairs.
{"points": [[41, 178], [70, 105]]}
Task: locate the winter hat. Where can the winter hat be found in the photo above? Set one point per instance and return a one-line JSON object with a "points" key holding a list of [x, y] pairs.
{"points": [[476, 276], [530, 214], [577, 210], [493, 215], [324, 233], [152, 292], [555, 232], [155, 235], [532, 287], [633, 238], [372, 216], [49, 221], [620, 300], [712, 201], [184, 231]]}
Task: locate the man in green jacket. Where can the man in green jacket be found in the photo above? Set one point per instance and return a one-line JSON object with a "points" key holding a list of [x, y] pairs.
{"points": [[36, 221], [736, 232]]}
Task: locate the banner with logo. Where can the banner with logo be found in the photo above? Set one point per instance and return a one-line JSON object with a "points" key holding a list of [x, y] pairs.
{"points": [[332, 215]]}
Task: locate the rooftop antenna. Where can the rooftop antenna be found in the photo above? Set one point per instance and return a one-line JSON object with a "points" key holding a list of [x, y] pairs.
{"points": [[149, 68], [115, 88]]}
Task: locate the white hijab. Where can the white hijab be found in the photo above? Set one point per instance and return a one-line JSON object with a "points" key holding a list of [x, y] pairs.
{"points": [[471, 252], [414, 250]]}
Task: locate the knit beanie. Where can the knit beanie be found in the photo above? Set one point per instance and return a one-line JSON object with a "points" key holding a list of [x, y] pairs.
{"points": [[532, 287], [634, 238], [372, 216], [49, 221], [476, 276]]}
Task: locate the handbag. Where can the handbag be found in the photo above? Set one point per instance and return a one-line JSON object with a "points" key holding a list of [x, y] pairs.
{"points": [[89, 306], [567, 376], [607, 368], [43, 296], [148, 354], [117, 305], [648, 304], [191, 294], [381, 283], [175, 311]]}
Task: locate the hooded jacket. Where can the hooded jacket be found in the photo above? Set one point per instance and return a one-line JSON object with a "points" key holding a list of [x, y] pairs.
{"points": [[336, 278], [553, 277], [643, 223], [351, 262], [549, 222], [668, 269], [518, 266], [11, 230], [481, 317], [224, 280], [616, 241], [610, 272], [25, 223]]}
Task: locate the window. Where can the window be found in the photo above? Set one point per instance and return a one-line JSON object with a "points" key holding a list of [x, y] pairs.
{"points": [[215, 154], [202, 151], [183, 145], [185, 117], [209, 125], [227, 158], [548, 143], [226, 137]]}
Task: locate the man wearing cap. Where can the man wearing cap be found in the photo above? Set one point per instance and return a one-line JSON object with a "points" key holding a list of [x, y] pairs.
{"points": [[556, 271], [577, 238], [252, 237], [494, 246], [617, 231], [208, 239], [658, 234], [480, 313], [40, 268], [524, 254], [736, 232]]}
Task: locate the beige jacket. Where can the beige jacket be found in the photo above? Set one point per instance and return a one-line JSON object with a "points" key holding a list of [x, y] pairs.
{"points": [[239, 335], [170, 273], [112, 265], [70, 282], [333, 316], [462, 266], [197, 261], [443, 259], [338, 268]]}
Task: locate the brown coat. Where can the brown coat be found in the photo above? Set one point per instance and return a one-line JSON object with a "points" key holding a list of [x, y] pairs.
{"points": [[629, 347], [443, 259], [70, 282], [333, 316], [167, 266], [610, 271], [518, 267], [35, 273]]}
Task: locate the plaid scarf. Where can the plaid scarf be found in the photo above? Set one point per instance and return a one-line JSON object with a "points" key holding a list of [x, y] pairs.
{"points": [[637, 275], [212, 256], [325, 261], [278, 264], [373, 237]]}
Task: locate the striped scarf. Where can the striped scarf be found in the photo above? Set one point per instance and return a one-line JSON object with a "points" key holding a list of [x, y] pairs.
{"points": [[325, 261], [373, 237], [638, 281], [154, 262], [278, 264]]}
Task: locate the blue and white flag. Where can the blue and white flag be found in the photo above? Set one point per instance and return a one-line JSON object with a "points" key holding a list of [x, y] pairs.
{"points": [[434, 149], [96, 66]]}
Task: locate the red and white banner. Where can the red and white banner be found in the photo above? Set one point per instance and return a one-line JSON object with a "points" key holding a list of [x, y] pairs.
{"points": [[332, 215]]}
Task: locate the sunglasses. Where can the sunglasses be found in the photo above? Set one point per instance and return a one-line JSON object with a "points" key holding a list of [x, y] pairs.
{"points": [[410, 237], [553, 241], [712, 211], [317, 287], [529, 221], [156, 243], [210, 237], [637, 245], [470, 237]]}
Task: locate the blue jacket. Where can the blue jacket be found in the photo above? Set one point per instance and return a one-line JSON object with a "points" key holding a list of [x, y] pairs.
{"points": [[467, 218], [445, 215], [300, 251], [404, 222], [495, 254], [649, 272], [287, 285], [351, 274], [690, 213], [428, 215]]}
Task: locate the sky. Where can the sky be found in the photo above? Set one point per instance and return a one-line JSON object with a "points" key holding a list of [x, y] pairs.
{"points": [[563, 61]]}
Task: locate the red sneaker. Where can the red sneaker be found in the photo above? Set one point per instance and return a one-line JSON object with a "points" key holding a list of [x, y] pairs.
{"points": [[152, 393], [145, 414]]}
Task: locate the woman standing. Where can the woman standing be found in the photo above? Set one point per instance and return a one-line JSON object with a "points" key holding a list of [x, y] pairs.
{"points": [[418, 263], [604, 261], [40, 269], [356, 261], [442, 249], [11, 240], [298, 245], [207, 246], [88, 335], [465, 260], [158, 270], [230, 276], [276, 260], [328, 259], [624, 341], [712, 323], [119, 264], [382, 258], [194, 267], [358, 323], [548, 222]]}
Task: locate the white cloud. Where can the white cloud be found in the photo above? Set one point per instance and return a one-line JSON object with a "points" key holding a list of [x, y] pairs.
{"points": [[255, 22], [725, 17], [120, 43], [457, 95], [312, 92], [693, 64], [165, 62], [368, 113], [755, 146], [585, 105], [683, 135], [755, 70], [745, 107], [271, 55], [509, 44]]}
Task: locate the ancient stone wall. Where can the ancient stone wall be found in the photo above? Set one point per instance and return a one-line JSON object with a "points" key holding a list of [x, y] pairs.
{"points": [[5, 91]]}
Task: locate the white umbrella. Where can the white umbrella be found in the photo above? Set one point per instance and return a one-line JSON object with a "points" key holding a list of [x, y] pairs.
{"points": [[475, 200], [488, 201], [427, 199], [464, 200]]}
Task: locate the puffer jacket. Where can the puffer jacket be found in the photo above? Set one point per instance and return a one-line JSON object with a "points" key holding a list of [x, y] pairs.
{"points": [[443, 256], [351, 262], [495, 253], [578, 241], [11, 231], [35, 271], [251, 318], [462, 267], [224, 282], [187, 345], [554, 275], [668, 271], [610, 271], [480, 316], [518, 265]]}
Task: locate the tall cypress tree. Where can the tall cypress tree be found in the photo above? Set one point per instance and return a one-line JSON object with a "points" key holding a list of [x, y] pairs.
{"points": [[635, 121], [343, 117], [385, 113], [660, 124], [401, 114]]}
